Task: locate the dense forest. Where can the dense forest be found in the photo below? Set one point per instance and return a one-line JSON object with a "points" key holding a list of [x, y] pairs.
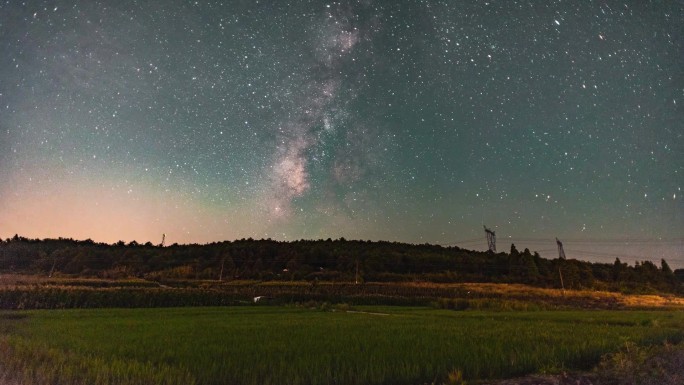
{"points": [[326, 260]]}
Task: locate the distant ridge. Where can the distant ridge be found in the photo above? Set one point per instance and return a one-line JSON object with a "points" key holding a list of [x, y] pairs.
{"points": [[326, 260]]}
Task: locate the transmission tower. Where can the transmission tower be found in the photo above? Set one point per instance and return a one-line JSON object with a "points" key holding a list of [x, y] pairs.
{"points": [[561, 252], [491, 239]]}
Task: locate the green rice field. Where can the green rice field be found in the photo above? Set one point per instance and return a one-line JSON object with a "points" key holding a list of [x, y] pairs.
{"points": [[298, 345]]}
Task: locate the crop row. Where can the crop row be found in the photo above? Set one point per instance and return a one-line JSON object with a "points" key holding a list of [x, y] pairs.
{"points": [[297, 345], [66, 298], [47, 296]]}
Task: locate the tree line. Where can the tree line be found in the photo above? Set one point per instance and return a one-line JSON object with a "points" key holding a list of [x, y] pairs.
{"points": [[326, 260]]}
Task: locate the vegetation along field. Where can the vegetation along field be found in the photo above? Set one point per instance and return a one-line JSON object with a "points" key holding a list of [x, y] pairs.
{"points": [[303, 345], [331, 312]]}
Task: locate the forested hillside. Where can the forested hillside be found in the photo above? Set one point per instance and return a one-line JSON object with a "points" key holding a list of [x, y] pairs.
{"points": [[325, 260]]}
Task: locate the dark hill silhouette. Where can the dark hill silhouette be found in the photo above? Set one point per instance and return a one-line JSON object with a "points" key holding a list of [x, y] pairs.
{"points": [[329, 260]]}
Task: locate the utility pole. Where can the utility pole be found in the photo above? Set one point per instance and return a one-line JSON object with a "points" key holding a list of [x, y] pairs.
{"points": [[491, 239], [561, 256], [561, 252], [356, 278], [52, 269], [221, 273]]}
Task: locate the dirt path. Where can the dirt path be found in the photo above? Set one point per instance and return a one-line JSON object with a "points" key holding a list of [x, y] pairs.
{"points": [[365, 312]]}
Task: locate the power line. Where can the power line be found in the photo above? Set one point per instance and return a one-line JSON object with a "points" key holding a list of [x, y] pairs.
{"points": [[604, 240]]}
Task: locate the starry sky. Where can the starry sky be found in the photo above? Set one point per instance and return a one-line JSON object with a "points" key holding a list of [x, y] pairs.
{"points": [[413, 121]]}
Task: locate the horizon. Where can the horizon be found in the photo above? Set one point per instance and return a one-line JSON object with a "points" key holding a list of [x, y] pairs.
{"points": [[595, 256], [399, 121]]}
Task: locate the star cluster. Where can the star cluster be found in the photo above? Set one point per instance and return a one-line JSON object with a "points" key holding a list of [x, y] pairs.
{"points": [[415, 121]]}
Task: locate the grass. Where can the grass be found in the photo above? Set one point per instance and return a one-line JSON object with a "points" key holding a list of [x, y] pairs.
{"points": [[32, 292], [295, 345]]}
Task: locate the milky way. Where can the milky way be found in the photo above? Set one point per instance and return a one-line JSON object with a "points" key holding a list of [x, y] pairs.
{"points": [[414, 121], [290, 171]]}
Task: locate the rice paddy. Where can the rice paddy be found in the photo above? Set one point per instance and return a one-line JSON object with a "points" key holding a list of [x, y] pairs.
{"points": [[300, 345]]}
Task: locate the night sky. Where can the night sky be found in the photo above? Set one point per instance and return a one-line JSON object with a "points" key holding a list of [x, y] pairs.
{"points": [[412, 121]]}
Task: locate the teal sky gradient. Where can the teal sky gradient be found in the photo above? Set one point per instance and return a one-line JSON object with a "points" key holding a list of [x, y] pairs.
{"points": [[413, 121]]}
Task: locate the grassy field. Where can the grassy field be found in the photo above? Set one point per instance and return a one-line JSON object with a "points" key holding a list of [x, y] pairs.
{"points": [[23, 292], [297, 345]]}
